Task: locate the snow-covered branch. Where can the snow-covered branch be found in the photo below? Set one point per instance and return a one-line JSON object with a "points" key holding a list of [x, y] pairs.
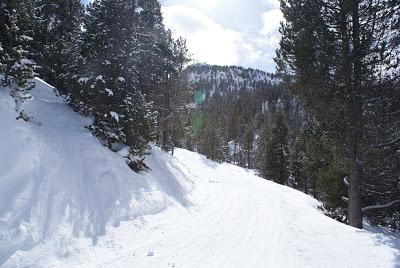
{"points": [[382, 206], [389, 143], [346, 181]]}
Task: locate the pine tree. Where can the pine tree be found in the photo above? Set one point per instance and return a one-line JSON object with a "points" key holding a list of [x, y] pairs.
{"points": [[17, 65], [272, 149], [57, 31], [336, 69], [161, 63], [2, 59], [213, 141], [172, 93], [109, 83], [300, 166], [382, 169]]}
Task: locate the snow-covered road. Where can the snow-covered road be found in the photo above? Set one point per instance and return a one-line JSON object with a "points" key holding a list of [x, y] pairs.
{"points": [[235, 220], [240, 220]]}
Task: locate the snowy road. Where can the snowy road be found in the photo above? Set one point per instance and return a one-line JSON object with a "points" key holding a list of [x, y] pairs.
{"points": [[239, 220], [236, 220]]}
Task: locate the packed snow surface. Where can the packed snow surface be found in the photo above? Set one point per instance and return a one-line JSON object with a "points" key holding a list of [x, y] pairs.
{"points": [[67, 201]]}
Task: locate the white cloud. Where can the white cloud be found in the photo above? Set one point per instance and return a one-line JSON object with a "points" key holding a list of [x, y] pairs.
{"points": [[271, 21], [206, 3], [207, 41], [272, 3], [226, 32]]}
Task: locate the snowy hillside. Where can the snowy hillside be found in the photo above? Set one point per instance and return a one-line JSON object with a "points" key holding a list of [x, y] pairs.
{"points": [[67, 201], [56, 179], [212, 78]]}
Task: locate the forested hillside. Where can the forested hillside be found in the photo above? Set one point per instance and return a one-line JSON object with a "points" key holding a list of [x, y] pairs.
{"points": [[211, 79], [113, 60]]}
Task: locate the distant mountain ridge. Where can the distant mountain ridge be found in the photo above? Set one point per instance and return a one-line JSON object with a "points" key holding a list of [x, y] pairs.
{"points": [[211, 79]]}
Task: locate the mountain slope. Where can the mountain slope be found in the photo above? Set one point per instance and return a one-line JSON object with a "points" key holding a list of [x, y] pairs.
{"points": [[66, 201], [211, 79], [54, 174]]}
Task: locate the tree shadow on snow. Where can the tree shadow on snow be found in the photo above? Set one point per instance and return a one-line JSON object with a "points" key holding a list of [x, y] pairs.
{"points": [[387, 238], [90, 193], [209, 162]]}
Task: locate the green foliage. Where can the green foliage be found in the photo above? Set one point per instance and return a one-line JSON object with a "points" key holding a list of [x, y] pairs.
{"points": [[57, 28], [16, 63], [109, 83], [213, 142], [338, 57], [272, 149], [199, 97]]}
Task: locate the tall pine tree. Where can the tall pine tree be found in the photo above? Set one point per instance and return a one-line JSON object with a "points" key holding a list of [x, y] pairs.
{"points": [[16, 62], [109, 82], [57, 29], [333, 53]]}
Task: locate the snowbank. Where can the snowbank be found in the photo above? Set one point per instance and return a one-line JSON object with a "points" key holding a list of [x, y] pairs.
{"points": [[55, 175]]}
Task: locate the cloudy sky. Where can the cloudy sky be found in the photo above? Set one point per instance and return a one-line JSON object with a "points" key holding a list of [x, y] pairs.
{"points": [[227, 32]]}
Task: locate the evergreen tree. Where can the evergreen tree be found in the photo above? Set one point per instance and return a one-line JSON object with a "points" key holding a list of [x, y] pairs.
{"points": [[272, 149], [110, 87], [213, 141], [57, 31], [2, 59], [382, 169], [335, 70], [161, 62], [171, 95], [16, 63]]}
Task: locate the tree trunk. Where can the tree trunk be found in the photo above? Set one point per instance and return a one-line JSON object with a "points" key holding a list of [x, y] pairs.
{"points": [[314, 184], [165, 121], [305, 181], [354, 190], [249, 149], [234, 151]]}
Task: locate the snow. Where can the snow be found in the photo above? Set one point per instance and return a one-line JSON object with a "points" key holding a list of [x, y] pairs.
{"points": [[139, 10], [27, 38], [191, 105], [109, 92], [219, 79], [100, 78], [57, 181], [387, 205], [67, 201], [114, 115], [233, 147], [83, 80]]}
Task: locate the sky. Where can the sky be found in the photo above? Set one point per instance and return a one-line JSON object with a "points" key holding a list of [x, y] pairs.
{"points": [[227, 32]]}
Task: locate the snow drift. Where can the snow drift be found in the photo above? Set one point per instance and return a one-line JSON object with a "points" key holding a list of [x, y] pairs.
{"points": [[67, 201], [54, 173]]}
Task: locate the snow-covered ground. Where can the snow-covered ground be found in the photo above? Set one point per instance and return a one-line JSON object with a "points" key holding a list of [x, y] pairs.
{"points": [[66, 201]]}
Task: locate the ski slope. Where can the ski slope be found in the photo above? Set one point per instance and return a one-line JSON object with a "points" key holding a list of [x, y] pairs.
{"points": [[66, 201]]}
